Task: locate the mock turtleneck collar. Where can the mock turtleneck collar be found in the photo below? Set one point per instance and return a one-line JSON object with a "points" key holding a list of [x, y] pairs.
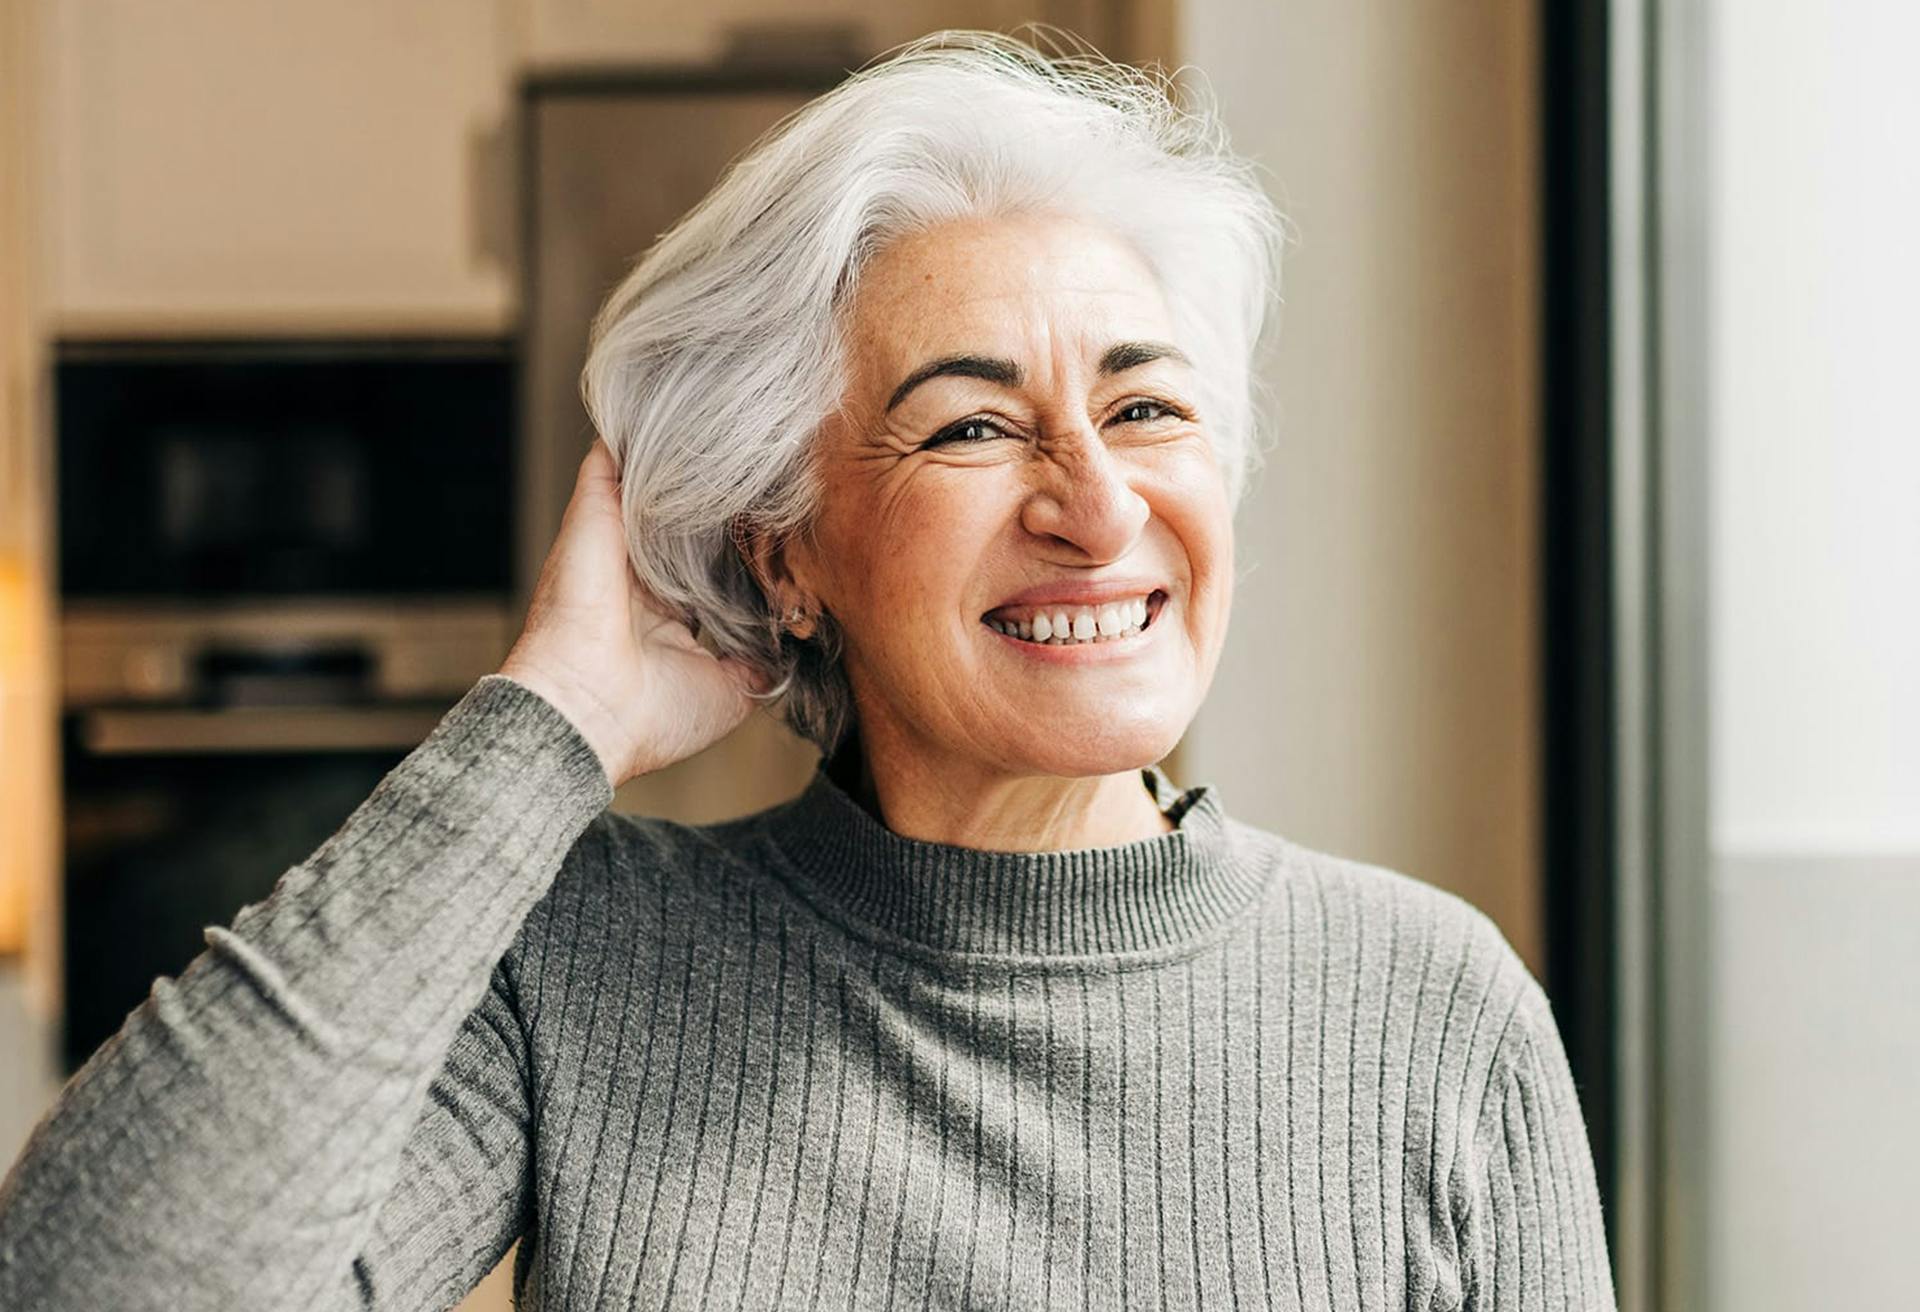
{"points": [[1150, 893]]}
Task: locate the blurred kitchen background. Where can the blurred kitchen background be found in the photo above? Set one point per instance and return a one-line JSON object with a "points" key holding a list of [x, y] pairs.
{"points": [[1583, 578]]}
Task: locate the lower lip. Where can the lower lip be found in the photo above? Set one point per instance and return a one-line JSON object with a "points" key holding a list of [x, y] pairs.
{"points": [[1089, 653]]}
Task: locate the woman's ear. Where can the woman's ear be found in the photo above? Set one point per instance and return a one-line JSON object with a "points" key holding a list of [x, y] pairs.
{"points": [[772, 560]]}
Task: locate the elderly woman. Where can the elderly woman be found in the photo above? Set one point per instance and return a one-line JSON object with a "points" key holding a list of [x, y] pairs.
{"points": [[925, 427]]}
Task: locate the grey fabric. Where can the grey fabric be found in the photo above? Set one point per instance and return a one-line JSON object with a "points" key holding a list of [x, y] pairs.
{"points": [[799, 1061]]}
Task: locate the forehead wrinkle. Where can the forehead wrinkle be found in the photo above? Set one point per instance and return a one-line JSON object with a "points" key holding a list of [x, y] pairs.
{"points": [[921, 311]]}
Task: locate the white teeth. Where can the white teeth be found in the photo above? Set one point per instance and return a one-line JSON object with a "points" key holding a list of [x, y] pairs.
{"points": [[1118, 619]]}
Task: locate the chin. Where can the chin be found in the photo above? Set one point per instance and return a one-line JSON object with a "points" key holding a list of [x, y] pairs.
{"points": [[1109, 749]]}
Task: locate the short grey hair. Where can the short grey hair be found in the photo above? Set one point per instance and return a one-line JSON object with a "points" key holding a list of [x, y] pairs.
{"points": [[717, 360]]}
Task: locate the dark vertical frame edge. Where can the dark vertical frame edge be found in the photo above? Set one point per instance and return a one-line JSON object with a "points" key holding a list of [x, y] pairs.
{"points": [[1578, 714]]}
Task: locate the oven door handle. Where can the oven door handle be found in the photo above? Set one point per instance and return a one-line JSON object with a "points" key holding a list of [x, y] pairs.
{"points": [[179, 731]]}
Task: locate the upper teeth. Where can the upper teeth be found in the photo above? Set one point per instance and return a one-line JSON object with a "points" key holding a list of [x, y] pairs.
{"points": [[1078, 623]]}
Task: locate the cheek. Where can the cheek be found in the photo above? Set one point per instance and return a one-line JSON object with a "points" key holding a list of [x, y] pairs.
{"points": [[1221, 619], [909, 581], [1198, 512], [923, 547]]}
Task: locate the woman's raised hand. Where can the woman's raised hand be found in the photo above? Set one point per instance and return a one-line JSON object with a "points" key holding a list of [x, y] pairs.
{"points": [[596, 644]]}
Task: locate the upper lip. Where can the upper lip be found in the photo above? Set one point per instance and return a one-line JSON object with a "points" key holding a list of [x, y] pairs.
{"points": [[1082, 592]]}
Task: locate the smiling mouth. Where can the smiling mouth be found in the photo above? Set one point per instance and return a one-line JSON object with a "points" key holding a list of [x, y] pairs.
{"points": [[1071, 626]]}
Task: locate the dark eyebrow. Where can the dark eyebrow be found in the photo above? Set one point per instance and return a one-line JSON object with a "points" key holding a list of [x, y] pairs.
{"points": [[1004, 372], [1122, 356], [1118, 358]]}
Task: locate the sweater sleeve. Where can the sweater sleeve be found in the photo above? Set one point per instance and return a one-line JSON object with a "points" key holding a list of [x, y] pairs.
{"points": [[235, 1143], [1532, 1237], [464, 1191]]}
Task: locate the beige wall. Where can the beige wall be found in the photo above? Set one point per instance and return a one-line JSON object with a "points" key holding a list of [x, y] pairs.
{"points": [[1378, 695]]}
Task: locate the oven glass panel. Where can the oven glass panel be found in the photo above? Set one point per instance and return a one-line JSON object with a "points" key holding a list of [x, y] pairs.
{"points": [[276, 471], [159, 847]]}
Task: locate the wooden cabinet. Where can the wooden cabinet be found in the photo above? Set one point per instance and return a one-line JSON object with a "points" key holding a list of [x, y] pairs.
{"points": [[572, 33], [228, 166]]}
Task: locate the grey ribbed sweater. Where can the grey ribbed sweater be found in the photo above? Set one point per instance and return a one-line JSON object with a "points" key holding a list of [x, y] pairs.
{"points": [[800, 1061]]}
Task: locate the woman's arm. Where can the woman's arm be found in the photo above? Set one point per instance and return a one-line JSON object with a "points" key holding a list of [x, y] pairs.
{"points": [[464, 1191], [1532, 1237], [235, 1142]]}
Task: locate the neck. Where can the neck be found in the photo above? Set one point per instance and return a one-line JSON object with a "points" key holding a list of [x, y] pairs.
{"points": [[1116, 900], [969, 804]]}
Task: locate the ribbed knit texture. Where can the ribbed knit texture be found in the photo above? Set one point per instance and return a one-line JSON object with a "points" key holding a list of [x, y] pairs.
{"points": [[800, 1061]]}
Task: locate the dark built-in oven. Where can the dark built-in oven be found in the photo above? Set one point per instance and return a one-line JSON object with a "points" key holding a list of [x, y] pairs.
{"points": [[280, 562]]}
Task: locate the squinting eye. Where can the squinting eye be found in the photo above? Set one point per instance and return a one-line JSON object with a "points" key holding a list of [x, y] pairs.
{"points": [[1160, 412], [964, 431]]}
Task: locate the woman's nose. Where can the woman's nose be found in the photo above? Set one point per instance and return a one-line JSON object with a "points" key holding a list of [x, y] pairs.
{"points": [[1082, 496]]}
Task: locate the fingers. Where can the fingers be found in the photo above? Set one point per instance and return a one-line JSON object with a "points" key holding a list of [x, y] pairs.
{"points": [[596, 489], [597, 469]]}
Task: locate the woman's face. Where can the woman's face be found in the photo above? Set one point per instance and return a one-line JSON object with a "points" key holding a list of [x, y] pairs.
{"points": [[1020, 439]]}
